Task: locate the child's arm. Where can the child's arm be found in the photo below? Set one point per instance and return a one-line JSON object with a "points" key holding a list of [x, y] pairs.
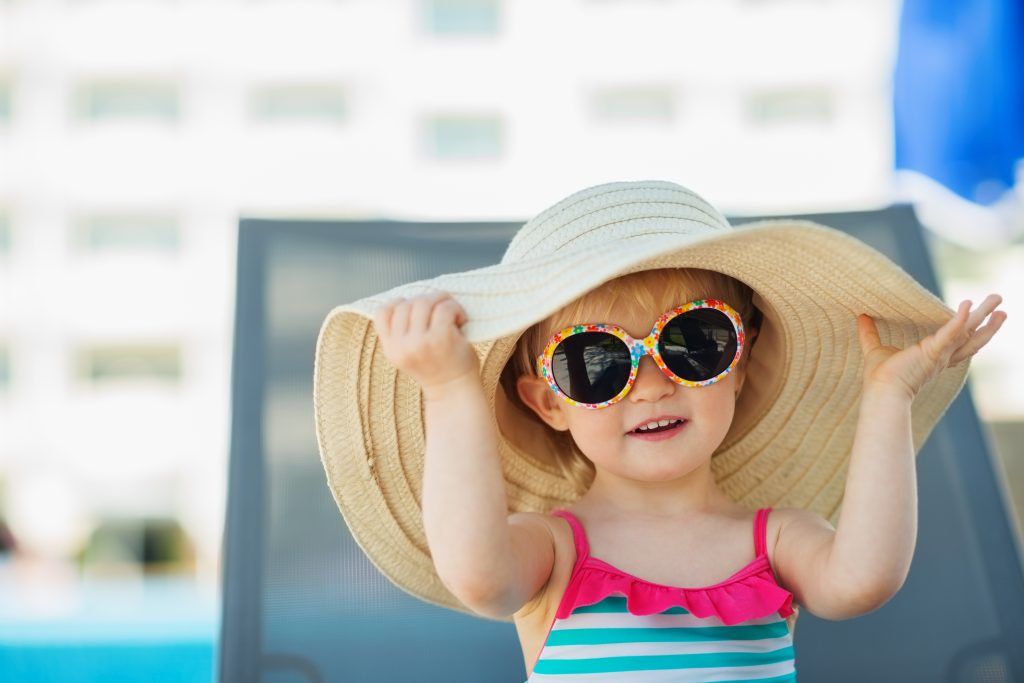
{"points": [[490, 561], [493, 562], [860, 565]]}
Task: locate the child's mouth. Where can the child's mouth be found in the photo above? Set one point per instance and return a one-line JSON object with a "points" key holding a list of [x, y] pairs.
{"points": [[660, 433]]}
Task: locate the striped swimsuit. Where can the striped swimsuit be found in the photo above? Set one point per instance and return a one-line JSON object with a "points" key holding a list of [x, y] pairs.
{"points": [[613, 626]]}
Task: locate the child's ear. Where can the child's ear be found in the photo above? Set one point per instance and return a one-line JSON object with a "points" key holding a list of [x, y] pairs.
{"points": [[741, 374], [751, 333], [537, 395], [741, 368]]}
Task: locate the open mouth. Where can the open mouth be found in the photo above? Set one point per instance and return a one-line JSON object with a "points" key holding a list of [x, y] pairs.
{"points": [[661, 431]]}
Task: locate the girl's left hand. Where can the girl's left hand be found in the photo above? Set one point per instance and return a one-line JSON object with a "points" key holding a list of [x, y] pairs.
{"points": [[909, 369]]}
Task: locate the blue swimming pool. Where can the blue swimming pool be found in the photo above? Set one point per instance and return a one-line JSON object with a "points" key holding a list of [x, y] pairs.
{"points": [[158, 630]]}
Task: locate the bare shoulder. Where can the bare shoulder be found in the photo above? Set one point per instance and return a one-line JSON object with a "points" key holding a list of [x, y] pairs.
{"points": [[790, 526], [803, 565], [560, 534], [796, 541], [795, 520]]}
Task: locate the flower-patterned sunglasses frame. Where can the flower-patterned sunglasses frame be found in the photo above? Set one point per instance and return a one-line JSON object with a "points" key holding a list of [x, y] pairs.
{"points": [[639, 347]]}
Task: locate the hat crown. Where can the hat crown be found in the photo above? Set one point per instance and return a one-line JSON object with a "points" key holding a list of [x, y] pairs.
{"points": [[615, 211]]}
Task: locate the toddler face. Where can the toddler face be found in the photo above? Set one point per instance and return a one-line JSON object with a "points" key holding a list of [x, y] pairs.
{"points": [[606, 435]]}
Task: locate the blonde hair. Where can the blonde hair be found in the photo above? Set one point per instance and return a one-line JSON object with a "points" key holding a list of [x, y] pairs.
{"points": [[648, 289]]}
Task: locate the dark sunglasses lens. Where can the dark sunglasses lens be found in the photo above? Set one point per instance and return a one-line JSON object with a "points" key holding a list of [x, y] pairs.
{"points": [[591, 367], [698, 344]]}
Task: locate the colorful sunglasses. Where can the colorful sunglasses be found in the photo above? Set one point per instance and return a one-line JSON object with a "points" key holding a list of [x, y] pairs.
{"points": [[595, 365]]}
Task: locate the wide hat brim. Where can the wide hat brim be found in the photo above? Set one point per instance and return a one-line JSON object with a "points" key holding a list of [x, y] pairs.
{"points": [[793, 429]]}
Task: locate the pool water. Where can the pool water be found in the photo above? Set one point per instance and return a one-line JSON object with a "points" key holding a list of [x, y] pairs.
{"points": [[153, 629]]}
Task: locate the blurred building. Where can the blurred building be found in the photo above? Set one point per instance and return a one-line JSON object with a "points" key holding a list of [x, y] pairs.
{"points": [[134, 134]]}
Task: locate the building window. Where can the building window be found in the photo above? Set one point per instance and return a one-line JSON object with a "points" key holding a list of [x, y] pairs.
{"points": [[129, 363], [463, 137], [147, 231], [99, 101], [793, 105], [633, 105], [5, 102], [454, 17], [5, 232], [297, 102]]}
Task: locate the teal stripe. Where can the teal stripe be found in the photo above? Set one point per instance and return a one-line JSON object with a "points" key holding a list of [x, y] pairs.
{"points": [[667, 634], [617, 605], [658, 662], [784, 678]]}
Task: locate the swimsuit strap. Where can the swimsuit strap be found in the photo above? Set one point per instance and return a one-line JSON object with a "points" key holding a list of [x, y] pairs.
{"points": [[761, 531], [579, 536]]}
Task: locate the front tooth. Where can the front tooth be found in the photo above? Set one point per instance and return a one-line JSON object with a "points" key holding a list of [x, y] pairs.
{"points": [[653, 425]]}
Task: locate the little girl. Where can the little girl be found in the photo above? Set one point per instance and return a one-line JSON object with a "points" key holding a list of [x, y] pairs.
{"points": [[635, 385]]}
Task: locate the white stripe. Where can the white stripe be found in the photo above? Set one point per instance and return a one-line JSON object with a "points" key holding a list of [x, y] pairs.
{"points": [[673, 648], [628, 620], [672, 675]]}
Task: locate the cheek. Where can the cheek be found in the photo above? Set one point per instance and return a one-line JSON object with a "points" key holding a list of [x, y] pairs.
{"points": [[716, 409], [593, 432]]}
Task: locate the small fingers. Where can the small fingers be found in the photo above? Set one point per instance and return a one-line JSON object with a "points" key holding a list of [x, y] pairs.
{"points": [[950, 336], [382, 316], [400, 318], [448, 312], [982, 311], [979, 338], [419, 316], [960, 336]]}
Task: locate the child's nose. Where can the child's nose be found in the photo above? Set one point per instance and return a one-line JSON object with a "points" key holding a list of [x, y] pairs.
{"points": [[651, 383]]}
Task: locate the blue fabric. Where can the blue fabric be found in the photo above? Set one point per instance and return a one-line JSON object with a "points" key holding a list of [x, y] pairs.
{"points": [[958, 92]]}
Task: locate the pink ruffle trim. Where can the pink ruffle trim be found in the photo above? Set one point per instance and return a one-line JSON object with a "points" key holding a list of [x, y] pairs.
{"points": [[750, 594]]}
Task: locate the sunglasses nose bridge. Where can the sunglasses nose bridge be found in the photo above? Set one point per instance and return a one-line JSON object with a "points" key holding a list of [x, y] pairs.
{"points": [[638, 350]]}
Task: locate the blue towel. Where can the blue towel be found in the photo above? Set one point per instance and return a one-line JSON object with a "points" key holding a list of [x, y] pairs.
{"points": [[958, 95]]}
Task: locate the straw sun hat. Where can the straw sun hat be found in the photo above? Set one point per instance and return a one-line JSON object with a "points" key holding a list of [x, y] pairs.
{"points": [[791, 437]]}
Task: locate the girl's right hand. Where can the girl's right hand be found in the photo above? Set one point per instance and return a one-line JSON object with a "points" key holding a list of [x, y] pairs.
{"points": [[421, 337]]}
